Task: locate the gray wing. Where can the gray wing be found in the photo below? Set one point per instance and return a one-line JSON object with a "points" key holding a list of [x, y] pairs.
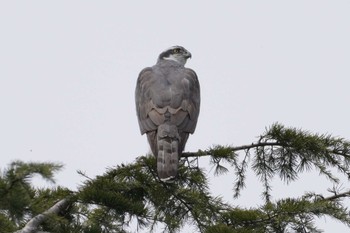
{"points": [[143, 101], [191, 101], [156, 93]]}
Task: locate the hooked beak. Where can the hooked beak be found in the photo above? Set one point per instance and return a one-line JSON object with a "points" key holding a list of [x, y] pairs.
{"points": [[188, 55]]}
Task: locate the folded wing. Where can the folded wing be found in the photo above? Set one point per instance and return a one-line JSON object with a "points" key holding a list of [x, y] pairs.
{"points": [[156, 95]]}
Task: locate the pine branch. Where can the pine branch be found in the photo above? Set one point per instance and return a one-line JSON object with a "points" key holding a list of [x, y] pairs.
{"points": [[337, 196], [285, 152], [212, 152], [34, 223]]}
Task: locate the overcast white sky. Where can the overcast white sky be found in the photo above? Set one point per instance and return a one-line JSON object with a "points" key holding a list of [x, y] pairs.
{"points": [[68, 71]]}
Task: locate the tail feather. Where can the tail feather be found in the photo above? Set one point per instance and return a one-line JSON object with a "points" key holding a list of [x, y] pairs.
{"points": [[168, 152]]}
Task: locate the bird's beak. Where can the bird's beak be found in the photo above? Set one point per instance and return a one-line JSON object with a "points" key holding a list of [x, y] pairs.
{"points": [[188, 55]]}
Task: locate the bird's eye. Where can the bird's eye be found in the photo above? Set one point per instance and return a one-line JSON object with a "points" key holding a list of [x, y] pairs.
{"points": [[176, 50]]}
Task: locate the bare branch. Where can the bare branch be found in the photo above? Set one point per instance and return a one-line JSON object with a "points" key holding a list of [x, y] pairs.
{"points": [[34, 223], [202, 153], [336, 196]]}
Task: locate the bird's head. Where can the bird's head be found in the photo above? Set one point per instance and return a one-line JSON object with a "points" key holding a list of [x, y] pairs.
{"points": [[175, 53]]}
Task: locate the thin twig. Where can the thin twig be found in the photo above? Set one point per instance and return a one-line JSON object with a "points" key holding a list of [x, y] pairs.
{"points": [[238, 148], [336, 196]]}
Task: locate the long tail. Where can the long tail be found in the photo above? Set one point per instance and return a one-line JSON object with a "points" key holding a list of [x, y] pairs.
{"points": [[168, 152]]}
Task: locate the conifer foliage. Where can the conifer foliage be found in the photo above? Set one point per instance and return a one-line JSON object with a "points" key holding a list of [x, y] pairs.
{"points": [[133, 193]]}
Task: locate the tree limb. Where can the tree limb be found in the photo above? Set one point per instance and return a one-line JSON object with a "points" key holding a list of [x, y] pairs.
{"points": [[34, 223], [336, 196], [202, 153]]}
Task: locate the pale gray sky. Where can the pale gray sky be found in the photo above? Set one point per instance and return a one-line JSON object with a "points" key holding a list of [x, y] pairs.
{"points": [[68, 71]]}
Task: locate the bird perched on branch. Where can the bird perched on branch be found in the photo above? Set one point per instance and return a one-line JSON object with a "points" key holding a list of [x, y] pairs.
{"points": [[167, 103]]}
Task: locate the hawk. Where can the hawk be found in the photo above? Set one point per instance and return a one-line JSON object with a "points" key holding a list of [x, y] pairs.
{"points": [[167, 100]]}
